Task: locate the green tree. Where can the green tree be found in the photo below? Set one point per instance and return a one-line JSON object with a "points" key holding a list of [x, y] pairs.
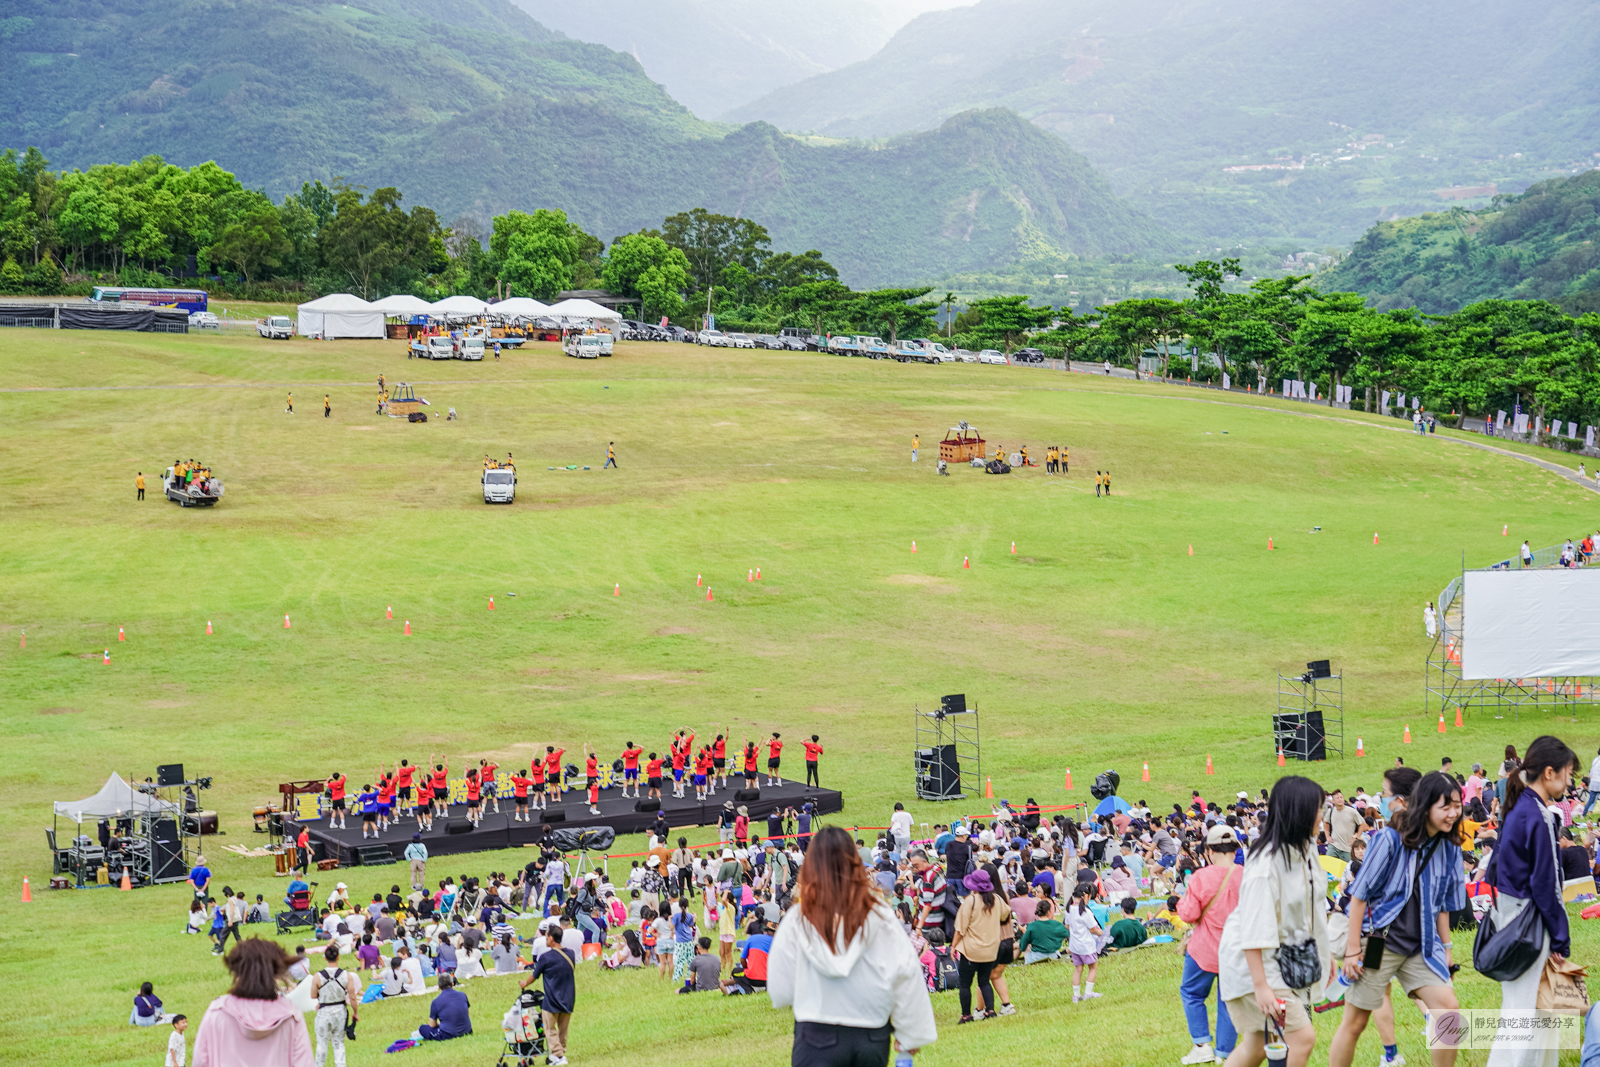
{"points": [[1006, 320], [711, 242], [645, 266], [371, 242], [535, 253], [253, 239]]}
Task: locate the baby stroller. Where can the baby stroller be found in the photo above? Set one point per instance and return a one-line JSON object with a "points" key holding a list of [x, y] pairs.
{"points": [[523, 1029]]}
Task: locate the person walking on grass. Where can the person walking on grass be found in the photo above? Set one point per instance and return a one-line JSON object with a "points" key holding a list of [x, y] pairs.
{"points": [[916, 443], [290, 408], [327, 406], [976, 946], [1083, 942], [841, 961], [555, 968], [1430, 619], [1213, 894], [1274, 948], [611, 455], [1409, 883]]}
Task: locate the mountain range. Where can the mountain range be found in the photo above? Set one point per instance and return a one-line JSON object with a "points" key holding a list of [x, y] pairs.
{"points": [[472, 107], [1249, 119]]}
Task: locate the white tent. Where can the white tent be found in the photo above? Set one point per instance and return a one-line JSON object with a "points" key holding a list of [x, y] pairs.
{"points": [[115, 800], [519, 306], [584, 309], [459, 305], [403, 304], [340, 315]]}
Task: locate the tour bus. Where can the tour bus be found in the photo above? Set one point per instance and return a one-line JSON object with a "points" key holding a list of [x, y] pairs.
{"points": [[190, 300]]}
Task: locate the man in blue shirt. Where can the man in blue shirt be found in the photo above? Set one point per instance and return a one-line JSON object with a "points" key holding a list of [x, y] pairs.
{"points": [[200, 877], [295, 886], [560, 995], [449, 1015]]}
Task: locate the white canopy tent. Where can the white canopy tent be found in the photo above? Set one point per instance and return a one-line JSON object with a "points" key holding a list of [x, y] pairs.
{"points": [[402, 304], [459, 305], [519, 307], [588, 309], [116, 799], [340, 315]]}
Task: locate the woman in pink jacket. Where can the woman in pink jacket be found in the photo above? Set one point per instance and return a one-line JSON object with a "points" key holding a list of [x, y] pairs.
{"points": [[1213, 894], [251, 1025]]}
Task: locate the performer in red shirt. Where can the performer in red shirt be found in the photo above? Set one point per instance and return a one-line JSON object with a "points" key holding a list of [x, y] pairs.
{"points": [[386, 789], [490, 787], [813, 750], [474, 797], [680, 756], [536, 772], [403, 775], [336, 784], [630, 768], [519, 789], [702, 772], [752, 772], [552, 773], [774, 753], [424, 808], [719, 761], [652, 772], [441, 788], [591, 771]]}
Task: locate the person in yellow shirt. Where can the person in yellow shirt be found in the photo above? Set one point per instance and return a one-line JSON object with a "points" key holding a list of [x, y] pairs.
{"points": [[1063, 459], [1108, 483], [327, 406], [1170, 913], [611, 455], [916, 443], [139, 482], [1025, 462], [291, 404], [1099, 481]]}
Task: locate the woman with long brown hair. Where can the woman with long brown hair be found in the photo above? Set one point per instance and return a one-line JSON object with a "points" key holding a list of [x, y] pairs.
{"points": [[251, 1025], [842, 962]]}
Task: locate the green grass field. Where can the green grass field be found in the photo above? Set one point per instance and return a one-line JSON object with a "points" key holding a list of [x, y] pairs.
{"points": [[1102, 642]]}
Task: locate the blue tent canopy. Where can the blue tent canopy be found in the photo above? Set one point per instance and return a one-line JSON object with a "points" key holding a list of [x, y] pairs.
{"points": [[1111, 805]]}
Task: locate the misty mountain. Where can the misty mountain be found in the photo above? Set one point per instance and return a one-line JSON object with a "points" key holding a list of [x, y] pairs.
{"points": [[714, 54], [1249, 119]]}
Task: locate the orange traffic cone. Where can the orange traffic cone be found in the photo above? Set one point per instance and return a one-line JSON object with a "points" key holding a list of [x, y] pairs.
{"points": [[1145, 777], [966, 562], [491, 603], [408, 627], [1374, 536], [758, 574], [616, 589], [1441, 722], [388, 611], [1280, 757], [1191, 550], [120, 635], [1361, 748], [1269, 544], [697, 580], [1208, 764], [27, 891], [913, 546], [750, 574], [988, 789], [107, 660], [286, 622], [126, 884], [1504, 530], [708, 592], [208, 627], [1013, 548], [1407, 738], [1069, 779], [1458, 714]]}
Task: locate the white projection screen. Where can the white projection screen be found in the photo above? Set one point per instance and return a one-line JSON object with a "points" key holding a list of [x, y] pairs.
{"points": [[1531, 624]]}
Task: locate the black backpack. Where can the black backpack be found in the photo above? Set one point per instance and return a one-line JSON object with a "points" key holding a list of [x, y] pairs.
{"points": [[946, 976]]}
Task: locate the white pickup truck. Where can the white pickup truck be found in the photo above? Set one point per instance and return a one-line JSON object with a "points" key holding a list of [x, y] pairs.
{"points": [[500, 485], [275, 327], [587, 345]]}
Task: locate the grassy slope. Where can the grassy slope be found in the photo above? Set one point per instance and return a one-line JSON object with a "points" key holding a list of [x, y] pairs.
{"points": [[1102, 643]]}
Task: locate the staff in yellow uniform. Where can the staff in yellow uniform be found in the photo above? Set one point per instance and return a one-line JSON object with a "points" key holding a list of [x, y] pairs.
{"points": [[291, 403], [916, 443], [1063, 459], [139, 481], [327, 406]]}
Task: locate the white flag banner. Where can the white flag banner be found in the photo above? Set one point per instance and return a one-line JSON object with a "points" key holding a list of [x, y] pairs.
{"points": [[1500, 420], [1520, 424], [1313, 390], [1588, 437], [1227, 383], [1416, 403], [1401, 401], [1383, 402], [1572, 431], [1286, 387]]}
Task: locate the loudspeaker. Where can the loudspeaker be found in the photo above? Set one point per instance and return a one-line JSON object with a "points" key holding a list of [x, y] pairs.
{"points": [[647, 805], [938, 771], [552, 816], [1301, 736], [457, 826], [1319, 668], [167, 853], [744, 796], [169, 774], [954, 704]]}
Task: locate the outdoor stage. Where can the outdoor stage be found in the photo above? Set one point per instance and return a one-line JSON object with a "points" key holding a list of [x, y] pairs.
{"points": [[501, 831]]}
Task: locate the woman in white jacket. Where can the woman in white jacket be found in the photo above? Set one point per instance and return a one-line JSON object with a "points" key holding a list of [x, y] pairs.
{"points": [[844, 964], [1274, 946]]}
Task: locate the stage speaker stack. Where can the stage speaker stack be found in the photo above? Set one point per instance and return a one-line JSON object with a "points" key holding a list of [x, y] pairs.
{"points": [[653, 804], [169, 774], [744, 796], [167, 853], [1301, 736], [458, 826], [552, 816], [938, 772], [954, 704]]}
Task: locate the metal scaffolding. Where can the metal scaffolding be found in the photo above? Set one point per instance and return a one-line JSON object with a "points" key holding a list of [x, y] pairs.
{"points": [[1308, 709], [945, 732]]}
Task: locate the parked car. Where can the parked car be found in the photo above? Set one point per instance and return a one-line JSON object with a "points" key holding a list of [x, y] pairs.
{"points": [[843, 344], [276, 327], [990, 355], [442, 347], [911, 352], [939, 352], [771, 342], [470, 348], [743, 340], [203, 320], [964, 355], [584, 345], [1028, 355], [799, 339], [714, 339]]}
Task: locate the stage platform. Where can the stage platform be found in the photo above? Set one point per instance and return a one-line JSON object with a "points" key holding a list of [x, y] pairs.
{"points": [[501, 831]]}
